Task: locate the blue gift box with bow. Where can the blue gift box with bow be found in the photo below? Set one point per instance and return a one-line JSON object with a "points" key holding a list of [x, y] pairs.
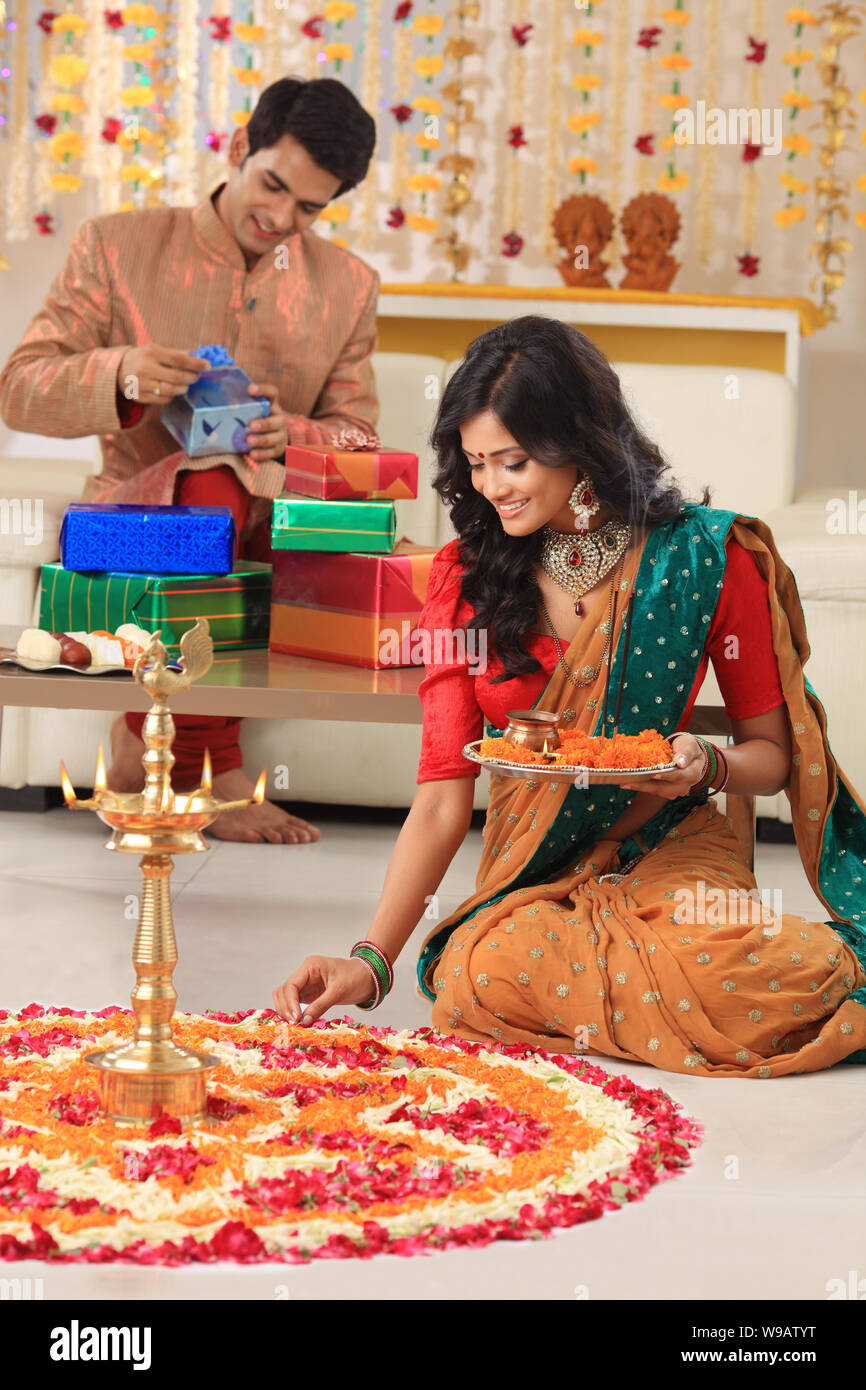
{"points": [[214, 413], [147, 539]]}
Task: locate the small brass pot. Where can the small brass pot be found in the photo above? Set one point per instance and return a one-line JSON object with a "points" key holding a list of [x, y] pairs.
{"points": [[532, 728]]}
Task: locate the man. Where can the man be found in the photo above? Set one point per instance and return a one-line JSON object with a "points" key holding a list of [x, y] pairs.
{"points": [[116, 338]]}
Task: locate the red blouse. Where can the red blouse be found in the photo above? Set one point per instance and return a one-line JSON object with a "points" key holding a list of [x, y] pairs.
{"points": [[455, 702]]}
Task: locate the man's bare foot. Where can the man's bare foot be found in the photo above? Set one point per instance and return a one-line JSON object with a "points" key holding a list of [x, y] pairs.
{"points": [[256, 824], [126, 773]]}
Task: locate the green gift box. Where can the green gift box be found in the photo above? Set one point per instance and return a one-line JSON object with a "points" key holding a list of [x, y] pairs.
{"points": [[358, 527], [236, 605]]}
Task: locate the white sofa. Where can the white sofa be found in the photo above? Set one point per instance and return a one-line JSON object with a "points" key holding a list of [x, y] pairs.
{"points": [[744, 449]]}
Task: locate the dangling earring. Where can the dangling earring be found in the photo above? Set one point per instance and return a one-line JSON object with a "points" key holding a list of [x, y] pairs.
{"points": [[584, 503]]}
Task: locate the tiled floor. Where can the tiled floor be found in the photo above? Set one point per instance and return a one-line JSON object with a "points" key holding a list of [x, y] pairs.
{"points": [[247, 915]]}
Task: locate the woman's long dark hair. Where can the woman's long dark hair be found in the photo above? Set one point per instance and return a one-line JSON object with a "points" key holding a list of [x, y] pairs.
{"points": [[558, 396]]}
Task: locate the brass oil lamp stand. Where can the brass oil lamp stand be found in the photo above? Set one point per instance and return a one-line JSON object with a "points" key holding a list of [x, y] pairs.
{"points": [[152, 1075]]}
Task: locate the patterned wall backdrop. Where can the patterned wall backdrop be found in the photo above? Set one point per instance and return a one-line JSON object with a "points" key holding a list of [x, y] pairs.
{"points": [[490, 114]]}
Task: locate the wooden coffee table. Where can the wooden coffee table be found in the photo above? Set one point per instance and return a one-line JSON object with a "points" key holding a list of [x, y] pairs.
{"points": [[253, 684], [259, 684]]}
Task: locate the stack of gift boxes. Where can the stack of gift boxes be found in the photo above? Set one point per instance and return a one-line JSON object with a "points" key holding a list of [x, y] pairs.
{"points": [[156, 567], [343, 589]]}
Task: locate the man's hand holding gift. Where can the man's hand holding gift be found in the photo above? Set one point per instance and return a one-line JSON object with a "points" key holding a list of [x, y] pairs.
{"points": [[268, 437]]}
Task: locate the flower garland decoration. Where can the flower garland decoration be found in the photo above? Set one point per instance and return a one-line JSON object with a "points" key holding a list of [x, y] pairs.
{"points": [[521, 33], [185, 181], [458, 194], [219, 65], [582, 121], [371, 100], [648, 39], [137, 97], [843, 22], [748, 262], [67, 70], [20, 157], [113, 126], [170, 65], [248, 75], [336, 12], [427, 65], [334, 1141], [795, 143], [675, 63], [311, 29], [401, 44], [706, 219], [553, 127], [619, 46], [96, 58]]}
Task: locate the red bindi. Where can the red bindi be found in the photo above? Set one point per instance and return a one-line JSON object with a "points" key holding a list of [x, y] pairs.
{"points": [[480, 455]]}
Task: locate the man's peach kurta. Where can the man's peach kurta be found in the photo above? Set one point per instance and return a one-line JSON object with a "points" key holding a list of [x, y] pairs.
{"points": [[303, 319]]}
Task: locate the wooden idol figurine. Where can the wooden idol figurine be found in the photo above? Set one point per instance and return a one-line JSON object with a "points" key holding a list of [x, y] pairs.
{"points": [[583, 225]]}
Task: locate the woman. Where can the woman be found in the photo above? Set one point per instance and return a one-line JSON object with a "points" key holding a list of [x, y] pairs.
{"points": [[596, 922]]}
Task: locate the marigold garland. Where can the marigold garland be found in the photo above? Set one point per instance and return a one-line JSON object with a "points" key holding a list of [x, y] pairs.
{"points": [[67, 70], [337, 1140], [675, 63], [797, 101], [583, 120]]}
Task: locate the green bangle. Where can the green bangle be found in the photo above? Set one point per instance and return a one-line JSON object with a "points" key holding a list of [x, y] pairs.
{"points": [[711, 768], [373, 959]]}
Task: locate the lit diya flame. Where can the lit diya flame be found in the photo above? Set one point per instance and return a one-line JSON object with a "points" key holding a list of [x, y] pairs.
{"points": [[100, 780], [68, 790], [259, 793], [206, 772]]}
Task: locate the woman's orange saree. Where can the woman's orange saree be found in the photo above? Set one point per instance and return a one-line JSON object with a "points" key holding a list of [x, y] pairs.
{"points": [[669, 963]]}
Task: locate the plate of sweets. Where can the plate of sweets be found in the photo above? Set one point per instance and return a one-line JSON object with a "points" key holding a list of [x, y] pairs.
{"points": [[578, 755], [87, 653]]}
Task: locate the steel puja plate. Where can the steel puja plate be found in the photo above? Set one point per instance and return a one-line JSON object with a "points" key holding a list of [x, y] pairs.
{"points": [[9, 657], [550, 771]]}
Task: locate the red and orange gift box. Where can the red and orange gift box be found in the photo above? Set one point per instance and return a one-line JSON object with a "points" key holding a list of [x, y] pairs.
{"points": [[336, 473], [359, 609]]}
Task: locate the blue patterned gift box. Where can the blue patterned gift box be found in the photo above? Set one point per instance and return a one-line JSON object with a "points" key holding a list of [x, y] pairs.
{"points": [[213, 415], [147, 539]]}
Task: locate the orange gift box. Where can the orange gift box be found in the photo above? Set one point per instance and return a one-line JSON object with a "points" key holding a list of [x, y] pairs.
{"points": [[354, 608], [351, 473]]}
